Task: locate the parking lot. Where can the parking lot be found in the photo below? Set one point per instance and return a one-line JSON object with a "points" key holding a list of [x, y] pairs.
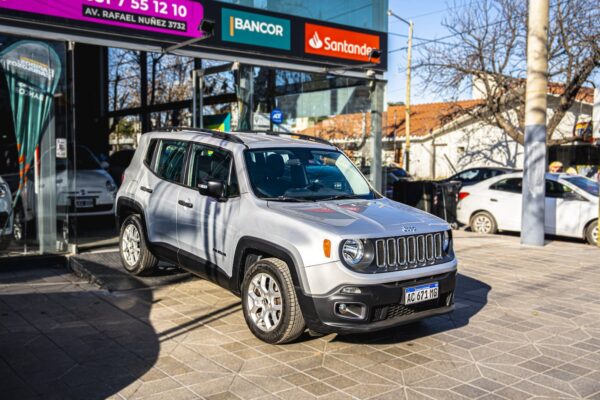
{"points": [[527, 324]]}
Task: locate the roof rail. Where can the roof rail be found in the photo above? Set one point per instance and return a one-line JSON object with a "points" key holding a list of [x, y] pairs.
{"points": [[291, 135], [208, 132]]}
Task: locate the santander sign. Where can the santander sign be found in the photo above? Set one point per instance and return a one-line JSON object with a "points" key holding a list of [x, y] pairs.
{"points": [[339, 43]]}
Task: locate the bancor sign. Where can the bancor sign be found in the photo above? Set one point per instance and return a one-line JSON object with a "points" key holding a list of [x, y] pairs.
{"points": [[340, 43], [255, 29], [175, 17]]}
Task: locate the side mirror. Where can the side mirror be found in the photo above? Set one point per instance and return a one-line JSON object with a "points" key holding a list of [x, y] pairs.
{"points": [[216, 189], [104, 165]]}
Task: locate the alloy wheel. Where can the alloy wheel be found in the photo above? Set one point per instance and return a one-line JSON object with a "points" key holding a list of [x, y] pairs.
{"points": [[130, 244], [482, 224], [595, 235], [265, 303]]}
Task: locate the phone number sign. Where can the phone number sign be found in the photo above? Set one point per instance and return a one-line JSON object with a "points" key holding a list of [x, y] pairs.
{"points": [[175, 17]]}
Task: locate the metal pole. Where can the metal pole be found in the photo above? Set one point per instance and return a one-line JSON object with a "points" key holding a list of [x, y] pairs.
{"points": [[198, 98], [407, 106], [534, 183], [376, 127]]}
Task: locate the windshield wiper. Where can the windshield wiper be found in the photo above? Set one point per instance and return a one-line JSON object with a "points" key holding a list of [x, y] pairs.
{"points": [[286, 198], [342, 197]]}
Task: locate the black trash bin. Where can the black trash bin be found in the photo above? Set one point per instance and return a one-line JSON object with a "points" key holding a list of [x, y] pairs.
{"points": [[437, 198]]}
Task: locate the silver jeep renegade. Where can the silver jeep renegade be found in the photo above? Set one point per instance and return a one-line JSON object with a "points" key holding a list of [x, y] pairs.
{"points": [[288, 223]]}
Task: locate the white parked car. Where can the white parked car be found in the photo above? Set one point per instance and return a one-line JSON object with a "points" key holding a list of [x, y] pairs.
{"points": [[90, 191], [495, 205], [288, 224]]}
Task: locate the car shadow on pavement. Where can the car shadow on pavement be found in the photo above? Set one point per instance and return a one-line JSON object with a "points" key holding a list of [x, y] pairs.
{"points": [[61, 338], [470, 298]]}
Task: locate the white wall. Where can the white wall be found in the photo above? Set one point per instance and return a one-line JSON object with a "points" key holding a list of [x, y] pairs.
{"points": [[478, 144]]}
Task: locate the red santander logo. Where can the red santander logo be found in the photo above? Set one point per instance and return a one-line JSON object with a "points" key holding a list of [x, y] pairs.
{"points": [[339, 43]]}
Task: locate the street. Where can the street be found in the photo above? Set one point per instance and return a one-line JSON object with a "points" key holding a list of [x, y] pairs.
{"points": [[526, 324]]}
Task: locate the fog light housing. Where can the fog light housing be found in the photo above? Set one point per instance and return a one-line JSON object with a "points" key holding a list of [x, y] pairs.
{"points": [[351, 310]]}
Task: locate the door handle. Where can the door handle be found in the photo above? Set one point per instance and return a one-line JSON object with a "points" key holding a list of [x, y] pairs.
{"points": [[494, 200], [185, 204], [146, 189]]}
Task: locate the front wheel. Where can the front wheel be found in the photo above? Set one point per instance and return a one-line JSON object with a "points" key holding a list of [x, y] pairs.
{"points": [[269, 302], [591, 233], [483, 222], [136, 257]]}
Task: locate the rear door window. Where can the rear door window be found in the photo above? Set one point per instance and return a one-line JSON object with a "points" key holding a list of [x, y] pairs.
{"points": [[511, 185]]}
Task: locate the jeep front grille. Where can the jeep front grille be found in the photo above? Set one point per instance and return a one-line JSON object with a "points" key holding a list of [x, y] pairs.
{"points": [[409, 251]]}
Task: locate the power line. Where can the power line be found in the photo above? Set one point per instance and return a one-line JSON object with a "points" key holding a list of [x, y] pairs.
{"points": [[439, 40]]}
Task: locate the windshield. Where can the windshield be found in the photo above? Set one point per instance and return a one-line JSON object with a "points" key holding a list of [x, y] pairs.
{"points": [[303, 174], [85, 160], [586, 184]]}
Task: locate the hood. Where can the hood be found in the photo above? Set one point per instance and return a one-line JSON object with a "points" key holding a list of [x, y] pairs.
{"points": [[86, 179], [364, 217]]}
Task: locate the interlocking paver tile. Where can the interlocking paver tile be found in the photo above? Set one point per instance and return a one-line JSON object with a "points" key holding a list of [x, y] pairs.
{"points": [[526, 325]]}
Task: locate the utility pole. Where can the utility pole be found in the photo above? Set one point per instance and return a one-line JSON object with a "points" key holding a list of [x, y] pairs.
{"points": [[407, 107], [534, 182], [407, 101], [377, 88]]}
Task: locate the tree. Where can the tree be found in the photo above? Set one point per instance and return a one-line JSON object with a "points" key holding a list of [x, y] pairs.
{"points": [[487, 45]]}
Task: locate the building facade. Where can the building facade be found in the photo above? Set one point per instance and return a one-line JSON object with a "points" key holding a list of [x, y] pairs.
{"points": [[82, 80]]}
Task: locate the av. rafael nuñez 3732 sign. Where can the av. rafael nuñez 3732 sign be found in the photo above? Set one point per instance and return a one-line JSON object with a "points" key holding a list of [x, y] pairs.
{"points": [[174, 17], [340, 43]]}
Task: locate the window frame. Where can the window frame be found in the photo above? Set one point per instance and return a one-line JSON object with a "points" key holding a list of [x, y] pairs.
{"points": [[232, 168]]}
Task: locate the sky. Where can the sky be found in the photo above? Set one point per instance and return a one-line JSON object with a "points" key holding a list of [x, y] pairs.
{"points": [[427, 16]]}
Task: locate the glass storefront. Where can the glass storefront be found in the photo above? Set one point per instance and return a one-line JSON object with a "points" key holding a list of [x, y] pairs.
{"points": [[36, 171]]}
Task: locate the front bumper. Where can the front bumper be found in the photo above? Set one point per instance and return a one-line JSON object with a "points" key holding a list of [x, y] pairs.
{"points": [[383, 304]]}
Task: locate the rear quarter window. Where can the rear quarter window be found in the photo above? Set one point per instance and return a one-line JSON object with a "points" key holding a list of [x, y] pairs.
{"points": [[150, 154]]}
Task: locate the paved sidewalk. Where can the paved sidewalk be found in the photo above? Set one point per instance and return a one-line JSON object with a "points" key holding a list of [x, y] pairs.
{"points": [[527, 324]]}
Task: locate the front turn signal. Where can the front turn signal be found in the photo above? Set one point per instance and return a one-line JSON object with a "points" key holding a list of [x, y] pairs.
{"points": [[327, 248]]}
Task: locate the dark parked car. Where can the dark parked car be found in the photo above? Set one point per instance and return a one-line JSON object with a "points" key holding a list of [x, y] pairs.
{"points": [[472, 176], [389, 175], [118, 163]]}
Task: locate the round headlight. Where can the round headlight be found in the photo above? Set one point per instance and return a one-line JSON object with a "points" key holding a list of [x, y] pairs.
{"points": [[357, 253], [353, 251], [110, 186], [446, 243]]}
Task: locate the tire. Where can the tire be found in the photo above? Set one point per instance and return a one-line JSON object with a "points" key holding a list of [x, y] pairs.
{"points": [[136, 257], [282, 324], [591, 233], [483, 222]]}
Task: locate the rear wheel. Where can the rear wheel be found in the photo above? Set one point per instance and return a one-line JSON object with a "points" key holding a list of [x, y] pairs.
{"points": [[483, 222], [591, 233], [136, 257], [269, 302]]}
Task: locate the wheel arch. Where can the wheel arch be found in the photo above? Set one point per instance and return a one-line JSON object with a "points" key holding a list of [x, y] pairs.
{"points": [[587, 225], [249, 249], [125, 208]]}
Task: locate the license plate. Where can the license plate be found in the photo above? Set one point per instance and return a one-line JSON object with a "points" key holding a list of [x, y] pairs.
{"points": [[418, 294], [84, 203]]}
